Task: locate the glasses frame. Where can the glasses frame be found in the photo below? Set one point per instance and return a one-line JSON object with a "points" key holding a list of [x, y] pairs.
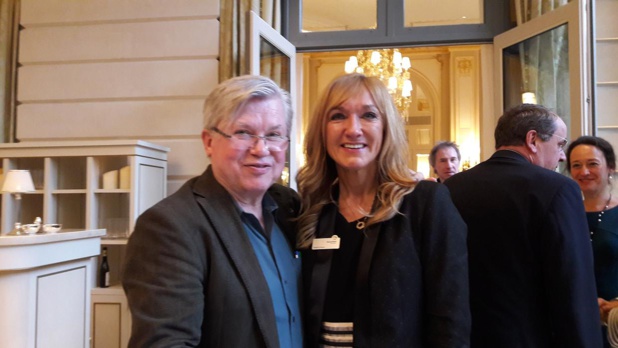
{"points": [[266, 138], [565, 141]]}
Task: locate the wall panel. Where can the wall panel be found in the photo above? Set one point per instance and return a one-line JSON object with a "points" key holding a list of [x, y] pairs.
{"points": [[166, 39], [607, 51], [189, 156], [606, 23], [127, 119], [63, 11], [607, 104], [121, 80]]}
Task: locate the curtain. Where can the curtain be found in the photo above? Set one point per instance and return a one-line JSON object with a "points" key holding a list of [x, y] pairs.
{"points": [[234, 32], [8, 66]]}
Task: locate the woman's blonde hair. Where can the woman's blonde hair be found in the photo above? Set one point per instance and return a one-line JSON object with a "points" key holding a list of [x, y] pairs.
{"points": [[316, 178]]}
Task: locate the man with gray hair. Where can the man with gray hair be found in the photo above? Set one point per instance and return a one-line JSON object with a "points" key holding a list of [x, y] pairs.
{"points": [[530, 261], [213, 265]]}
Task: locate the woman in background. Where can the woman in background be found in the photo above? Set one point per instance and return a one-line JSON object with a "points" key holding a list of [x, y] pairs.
{"points": [[386, 259], [592, 163]]}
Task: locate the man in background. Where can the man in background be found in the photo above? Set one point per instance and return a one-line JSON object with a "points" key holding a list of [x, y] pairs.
{"points": [[444, 159], [530, 261]]}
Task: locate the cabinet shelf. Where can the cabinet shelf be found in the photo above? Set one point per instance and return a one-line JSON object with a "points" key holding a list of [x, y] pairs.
{"points": [[72, 191], [115, 289], [113, 241], [68, 178], [35, 192], [112, 191]]}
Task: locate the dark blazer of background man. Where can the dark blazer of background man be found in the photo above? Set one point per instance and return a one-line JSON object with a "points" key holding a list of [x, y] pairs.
{"points": [[530, 260]]}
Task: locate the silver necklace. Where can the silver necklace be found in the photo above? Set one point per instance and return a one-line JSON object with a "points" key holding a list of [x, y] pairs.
{"points": [[601, 213]]}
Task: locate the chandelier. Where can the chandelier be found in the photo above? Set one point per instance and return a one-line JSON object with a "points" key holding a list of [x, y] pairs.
{"points": [[391, 68]]}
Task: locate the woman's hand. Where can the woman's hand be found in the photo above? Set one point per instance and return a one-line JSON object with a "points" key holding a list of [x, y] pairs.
{"points": [[605, 307]]}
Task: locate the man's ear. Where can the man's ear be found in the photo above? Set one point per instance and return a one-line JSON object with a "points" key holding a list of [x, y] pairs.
{"points": [[207, 141], [532, 140]]}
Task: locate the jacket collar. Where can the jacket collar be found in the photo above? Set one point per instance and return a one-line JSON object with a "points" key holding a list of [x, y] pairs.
{"points": [[510, 154], [224, 215]]}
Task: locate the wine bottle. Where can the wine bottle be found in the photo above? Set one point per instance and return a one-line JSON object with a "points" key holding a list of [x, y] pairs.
{"points": [[104, 270]]}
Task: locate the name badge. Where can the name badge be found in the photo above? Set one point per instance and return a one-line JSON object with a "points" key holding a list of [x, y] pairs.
{"points": [[326, 243]]}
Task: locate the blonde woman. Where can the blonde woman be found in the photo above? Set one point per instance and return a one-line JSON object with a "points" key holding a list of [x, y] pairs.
{"points": [[385, 261]]}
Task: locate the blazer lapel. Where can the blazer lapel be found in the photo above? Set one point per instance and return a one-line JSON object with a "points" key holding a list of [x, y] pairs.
{"points": [[320, 273], [362, 296], [222, 213]]}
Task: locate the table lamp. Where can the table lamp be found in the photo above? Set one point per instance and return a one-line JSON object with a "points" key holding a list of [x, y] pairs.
{"points": [[17, 182]]}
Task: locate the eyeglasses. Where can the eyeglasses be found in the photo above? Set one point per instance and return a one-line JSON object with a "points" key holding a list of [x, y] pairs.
{"points": [[244, 140], [562, 144]]}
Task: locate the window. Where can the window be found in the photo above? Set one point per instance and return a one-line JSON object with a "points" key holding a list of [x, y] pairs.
{"points": [[321, 24]]}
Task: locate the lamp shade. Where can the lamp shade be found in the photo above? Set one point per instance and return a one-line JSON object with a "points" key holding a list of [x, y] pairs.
{"points": [[18, 181]]}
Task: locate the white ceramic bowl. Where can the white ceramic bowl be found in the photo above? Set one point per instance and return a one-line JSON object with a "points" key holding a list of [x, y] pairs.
{"points": [[30, 228], [51, 228]]}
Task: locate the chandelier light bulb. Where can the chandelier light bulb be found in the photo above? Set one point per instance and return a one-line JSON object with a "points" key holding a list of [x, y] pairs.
{"points": [[375, 57], [397, 59], [348, 67], [351, 65], [405, 63], [392, 83], [407, 85], [406, 91]]}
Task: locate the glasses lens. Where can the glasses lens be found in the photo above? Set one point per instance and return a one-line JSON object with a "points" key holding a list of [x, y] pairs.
{"points": [[273, 143], [276, 143]]}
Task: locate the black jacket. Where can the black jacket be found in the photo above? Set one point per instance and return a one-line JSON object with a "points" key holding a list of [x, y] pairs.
{"points": [[531, 274], [412, 281]]}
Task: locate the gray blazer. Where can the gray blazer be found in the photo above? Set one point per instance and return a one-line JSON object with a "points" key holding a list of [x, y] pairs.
{"points": [[191, 276]]}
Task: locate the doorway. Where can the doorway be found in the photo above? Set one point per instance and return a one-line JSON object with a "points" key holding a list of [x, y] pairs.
{"points": [[445, 97]]}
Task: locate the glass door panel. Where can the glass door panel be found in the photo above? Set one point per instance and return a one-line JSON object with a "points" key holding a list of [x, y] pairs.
{"points": [[422, 13], [339, 15], [536, 71], [271, 55], [547, 58], [274, 64]]}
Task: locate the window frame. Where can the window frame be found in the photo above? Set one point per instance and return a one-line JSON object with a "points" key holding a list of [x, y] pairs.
{"points": [[391, 32]]}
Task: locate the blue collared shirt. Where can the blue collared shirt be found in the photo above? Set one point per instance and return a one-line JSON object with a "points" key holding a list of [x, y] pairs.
{"points": [[281, 270]]}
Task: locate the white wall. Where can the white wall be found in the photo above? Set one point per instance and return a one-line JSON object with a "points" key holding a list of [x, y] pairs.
{"points": [[119, 69], [606, 47], [606, 42]]}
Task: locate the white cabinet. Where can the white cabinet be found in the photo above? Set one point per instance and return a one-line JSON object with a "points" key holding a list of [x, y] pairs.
{"points": [[70, 190], [69, 185], [111, 319], [45, 284]]}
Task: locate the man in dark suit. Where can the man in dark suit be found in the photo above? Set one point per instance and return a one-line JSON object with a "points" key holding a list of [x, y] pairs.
{"points": [[530, 260], [213, 264]]}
